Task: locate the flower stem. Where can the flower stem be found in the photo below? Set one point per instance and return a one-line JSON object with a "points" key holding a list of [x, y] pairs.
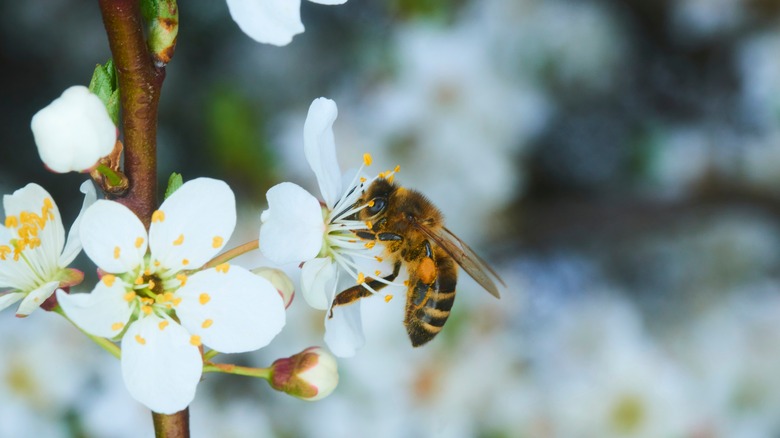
{"points": [[263, 373], [104, 343], [232, 253], [172, 426]]}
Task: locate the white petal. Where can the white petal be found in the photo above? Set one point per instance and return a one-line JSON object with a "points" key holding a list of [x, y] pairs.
{"points": [[160, 366], [74, 131], [268, 21], [10, 298], [318, 282], [35, 298], [243, 311], [44, 259], [15, 274], [329, 2], [344, 332], [293, 229], [73, 246], [104, 312], [320, 148], [113, 236], [196, 222]]}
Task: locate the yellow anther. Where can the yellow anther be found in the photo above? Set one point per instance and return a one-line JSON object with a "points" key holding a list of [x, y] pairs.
{"points": [[117, 251], [379, 259], [117, 326], [147, 300], [163, 324], [47, 203], [179, 240], [129, 296], [176, 301], [195, 340], [139, 241], [223, 268], [108, 280], [139, 280], [4, 251], [152, 284], [156, 263], [388, 297], [168, 296], [406, 283], [182, 278], [147, 272], [369, 225], [11, 222], [367, 159], [370, 244], [362, 179], [147, 310], [158, 216], [382, 174], [217, 241], [185, 262], [204, 298], [377, 272], [140, 340], [207, 323], [397, 169], [371, 203], [361, 278], [390, 177]]}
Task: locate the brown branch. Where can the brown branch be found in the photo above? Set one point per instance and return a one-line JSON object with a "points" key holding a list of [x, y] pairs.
{"points": [[172, 426], [140, 83]]}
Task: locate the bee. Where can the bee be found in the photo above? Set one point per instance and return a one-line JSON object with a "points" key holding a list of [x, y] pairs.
{"points": [[412, 231]]}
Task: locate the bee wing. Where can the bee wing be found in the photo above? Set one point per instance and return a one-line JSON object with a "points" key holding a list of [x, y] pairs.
{"points": [[465, 257]]}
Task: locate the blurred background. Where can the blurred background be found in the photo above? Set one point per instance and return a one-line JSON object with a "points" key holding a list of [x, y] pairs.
{"points": [[618, 162]]}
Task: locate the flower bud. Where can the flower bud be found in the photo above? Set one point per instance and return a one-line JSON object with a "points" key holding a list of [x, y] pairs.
{"points": [[309, 375], [281, 282], [74, 131]]}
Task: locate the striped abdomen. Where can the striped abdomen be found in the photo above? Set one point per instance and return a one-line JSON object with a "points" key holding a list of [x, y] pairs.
{"points": [[430, 297]]}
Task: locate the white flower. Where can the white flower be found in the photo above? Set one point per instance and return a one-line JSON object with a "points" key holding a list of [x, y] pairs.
{"points": [[33, 253], [271, 21], [74, 131], [296, 228], [163, 312]]}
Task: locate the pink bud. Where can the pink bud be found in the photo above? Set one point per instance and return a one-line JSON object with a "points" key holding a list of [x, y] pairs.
{"points": [[309, 375]]}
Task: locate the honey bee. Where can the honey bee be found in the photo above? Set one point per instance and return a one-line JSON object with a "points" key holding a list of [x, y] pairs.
{"points": [[412, 231]]}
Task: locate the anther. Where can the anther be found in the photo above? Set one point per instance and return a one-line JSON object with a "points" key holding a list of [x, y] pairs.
{"points": [[388, 297], [207, 323], [158, 216], [108, 280], [139, 241], [140, 340], [117, 326], [204, 298], [367, 159], [217, 241], [179, 240], [195, 340]]}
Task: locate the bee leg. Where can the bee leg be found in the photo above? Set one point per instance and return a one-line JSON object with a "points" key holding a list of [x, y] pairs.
{"points": [[358, 291], [389, 237]]}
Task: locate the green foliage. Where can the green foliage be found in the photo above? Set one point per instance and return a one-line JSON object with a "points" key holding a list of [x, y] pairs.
{"points": [[104, 84], [174, 182]]}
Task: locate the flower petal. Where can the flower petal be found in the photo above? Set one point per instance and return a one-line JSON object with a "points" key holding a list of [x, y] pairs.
{"points": [[329, 2], [320, 148], [113, 237], [73, 246], [344, 332], [15, 273], [161, 366], [318, 282], [9, 298], [293, 227], [74, 131], [104, 312], [233, 311], [36, 297], [268, 21], [193, 224]]}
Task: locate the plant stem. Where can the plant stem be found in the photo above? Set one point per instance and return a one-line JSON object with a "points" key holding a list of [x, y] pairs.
{"points": [[140, 83], [172, 426], [263, 373], [232, 253]]}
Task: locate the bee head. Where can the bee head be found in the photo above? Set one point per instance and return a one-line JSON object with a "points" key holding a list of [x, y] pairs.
{"points": [[377, 197]]}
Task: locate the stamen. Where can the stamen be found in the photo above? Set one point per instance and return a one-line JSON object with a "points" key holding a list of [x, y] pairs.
{"points": [[146, 309], [185, 262], [388, 297], [179, 240], [223, 268], [139, 281], [116, 252], [207, 323], [140, 340], [117, 326], [367, 159], [377, 272], [108, 280], [217, 241], [204, 298], [11, 222], [164, 323], [129, 296], [379, 259], [397, 169], [182, 278], [139, 241], [195, 340], [370, 244], [361, 278], [158, 216]]}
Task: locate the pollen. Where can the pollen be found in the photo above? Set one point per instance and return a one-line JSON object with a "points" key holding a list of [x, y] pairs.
{"points": [[129, 296], [179, 240], [367, 160], [207, 323], [397, 169], [140, 340], [371, 203], [369, 225], [117, 251], [390, 177], [379, 259], [361, 278], [108, 280], [195, 340], [362, 179], [217, 241], [139, 280], [139, 241], [185, 262], [117, 326], [388, 297], [158, 216], [377, 272], [163, 324], [147, 310], [152, 284], [204, 298], [223, 268], [4, 251], [406, 283], [370, 244], [11, 222], [182, 278]]}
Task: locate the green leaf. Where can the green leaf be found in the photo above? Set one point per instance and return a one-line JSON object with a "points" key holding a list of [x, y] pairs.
{"points": [[105, 86], [174, 182]]}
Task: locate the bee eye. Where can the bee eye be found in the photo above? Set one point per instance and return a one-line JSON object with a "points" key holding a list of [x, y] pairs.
{"points": [[376, 205]]}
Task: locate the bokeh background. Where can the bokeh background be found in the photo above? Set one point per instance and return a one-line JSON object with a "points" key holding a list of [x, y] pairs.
{"points": [[617, 161]]}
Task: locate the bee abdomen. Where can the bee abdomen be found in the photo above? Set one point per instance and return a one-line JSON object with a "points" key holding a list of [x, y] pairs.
{"points": [[432, 308]]}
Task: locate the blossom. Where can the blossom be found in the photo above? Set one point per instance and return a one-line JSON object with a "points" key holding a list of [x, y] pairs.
{"points": [[74, 131], [297, 228], [310, 375], [33, 253], [162, 311], [271, 21]]}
